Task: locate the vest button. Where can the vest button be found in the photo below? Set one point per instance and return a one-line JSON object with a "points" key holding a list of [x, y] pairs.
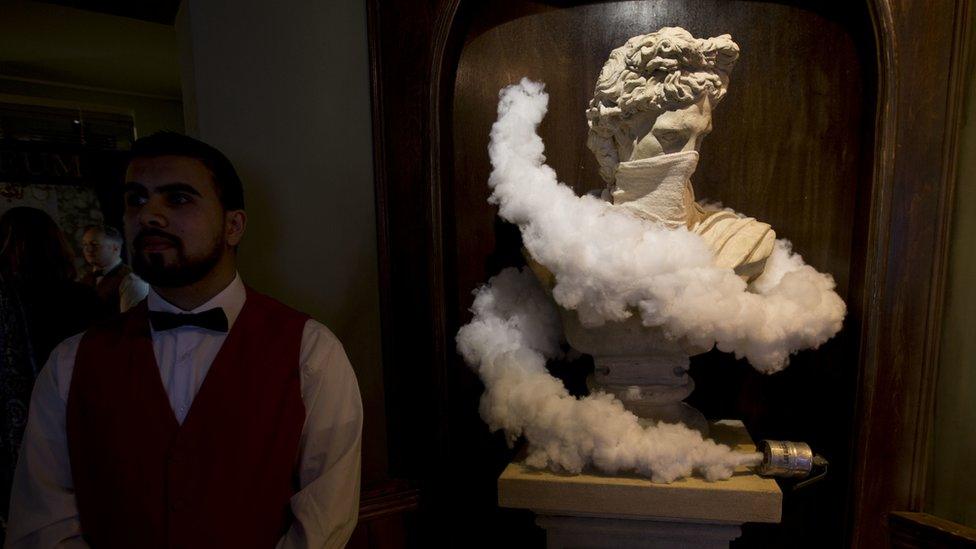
{"points": [[177, 504]]}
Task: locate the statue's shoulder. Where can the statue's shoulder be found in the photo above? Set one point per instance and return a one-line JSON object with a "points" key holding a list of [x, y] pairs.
{"points": [[740, 243]]}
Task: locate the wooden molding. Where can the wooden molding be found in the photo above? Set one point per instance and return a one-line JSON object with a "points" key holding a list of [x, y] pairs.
{"points": [[386, 517], [390, 499], [904, 278], [922, 530]]}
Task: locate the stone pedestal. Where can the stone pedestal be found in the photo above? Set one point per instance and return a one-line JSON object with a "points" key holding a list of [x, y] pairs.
{"points": [[645, 369], [592, 510]]}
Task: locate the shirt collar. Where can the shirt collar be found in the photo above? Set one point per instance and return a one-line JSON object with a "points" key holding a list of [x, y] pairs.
{"points": [[230, 299]]}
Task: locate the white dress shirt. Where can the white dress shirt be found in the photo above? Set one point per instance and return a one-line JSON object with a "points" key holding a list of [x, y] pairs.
{"points": [[43, 513], [132, 290]]}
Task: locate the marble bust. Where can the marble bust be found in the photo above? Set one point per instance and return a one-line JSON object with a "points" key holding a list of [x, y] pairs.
{"points": [[650, 111]]}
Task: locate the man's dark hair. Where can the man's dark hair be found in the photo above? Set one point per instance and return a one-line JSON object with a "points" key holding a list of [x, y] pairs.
{"points": [[225, 178], [108, 231]]}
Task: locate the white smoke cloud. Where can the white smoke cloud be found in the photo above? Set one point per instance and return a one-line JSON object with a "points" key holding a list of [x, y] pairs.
{"points": [[514, 330], [609, 265]]}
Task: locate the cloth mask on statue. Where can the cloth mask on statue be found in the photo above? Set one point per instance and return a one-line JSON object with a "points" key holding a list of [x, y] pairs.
{"points": [[658, 188]]}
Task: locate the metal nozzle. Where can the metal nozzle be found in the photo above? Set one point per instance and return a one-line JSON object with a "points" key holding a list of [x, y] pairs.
{"points": [[783, 458]]}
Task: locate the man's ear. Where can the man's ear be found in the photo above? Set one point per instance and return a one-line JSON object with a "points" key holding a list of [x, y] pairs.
{"points": [[235, 222]]}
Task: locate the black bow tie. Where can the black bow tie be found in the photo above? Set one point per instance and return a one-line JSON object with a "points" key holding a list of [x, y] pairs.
{"points": [[212, 319]]}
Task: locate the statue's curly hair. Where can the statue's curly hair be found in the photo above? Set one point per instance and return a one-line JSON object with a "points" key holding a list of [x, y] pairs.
{"points": [[660, 71]]}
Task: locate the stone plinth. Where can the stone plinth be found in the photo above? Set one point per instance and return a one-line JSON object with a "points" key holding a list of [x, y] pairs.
{"points": [[595, 510]]}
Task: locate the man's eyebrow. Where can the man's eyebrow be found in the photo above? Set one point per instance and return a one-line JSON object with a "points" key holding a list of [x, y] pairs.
{"points": [[132, 186], [167, 188], [177, 188]]}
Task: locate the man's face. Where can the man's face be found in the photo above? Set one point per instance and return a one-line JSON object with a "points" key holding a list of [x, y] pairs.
{"points": [[174, 220], [674, 131], [100, 252]]}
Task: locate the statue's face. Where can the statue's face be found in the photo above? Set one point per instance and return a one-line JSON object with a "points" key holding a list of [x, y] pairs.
{"points": [[670, 132]]}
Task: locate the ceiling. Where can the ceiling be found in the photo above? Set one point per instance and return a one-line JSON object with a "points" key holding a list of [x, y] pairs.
{"points": [[156, 11], [50, 42]]}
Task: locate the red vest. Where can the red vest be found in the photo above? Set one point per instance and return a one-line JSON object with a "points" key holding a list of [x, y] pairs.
{"points": [[221, 479], [108, 287]]}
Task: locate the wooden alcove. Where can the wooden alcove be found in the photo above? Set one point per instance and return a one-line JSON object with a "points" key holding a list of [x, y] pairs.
{"points": [[838, 129]]}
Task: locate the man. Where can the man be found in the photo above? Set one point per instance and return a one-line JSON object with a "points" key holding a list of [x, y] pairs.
{"points": [[207, 416], [117, 286]]}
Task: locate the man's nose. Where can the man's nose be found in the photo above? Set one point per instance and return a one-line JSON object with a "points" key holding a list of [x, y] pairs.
{"points": [[153, 213]]}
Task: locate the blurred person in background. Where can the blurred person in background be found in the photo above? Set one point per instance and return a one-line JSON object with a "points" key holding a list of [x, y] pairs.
{"points": [[114, 282], [17, 374], [40, 305], [36, 259]]}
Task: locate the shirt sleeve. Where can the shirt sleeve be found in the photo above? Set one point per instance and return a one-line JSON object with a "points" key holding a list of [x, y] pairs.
{"points": [[132, 290], [43, 512], [327, 505]]}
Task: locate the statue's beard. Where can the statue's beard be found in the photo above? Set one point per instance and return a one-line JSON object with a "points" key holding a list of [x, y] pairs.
{"points": [[658, 188], [182, 271]]}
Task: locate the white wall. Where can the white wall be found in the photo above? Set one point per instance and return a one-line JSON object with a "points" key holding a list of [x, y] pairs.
{"points": [[282, 89]]}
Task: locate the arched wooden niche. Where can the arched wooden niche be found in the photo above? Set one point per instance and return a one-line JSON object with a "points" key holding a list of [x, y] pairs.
{"points": [[839, 129], [791, 145]]}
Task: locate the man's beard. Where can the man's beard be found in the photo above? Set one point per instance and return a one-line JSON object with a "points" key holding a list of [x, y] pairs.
{"points": [[183, 271]]}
